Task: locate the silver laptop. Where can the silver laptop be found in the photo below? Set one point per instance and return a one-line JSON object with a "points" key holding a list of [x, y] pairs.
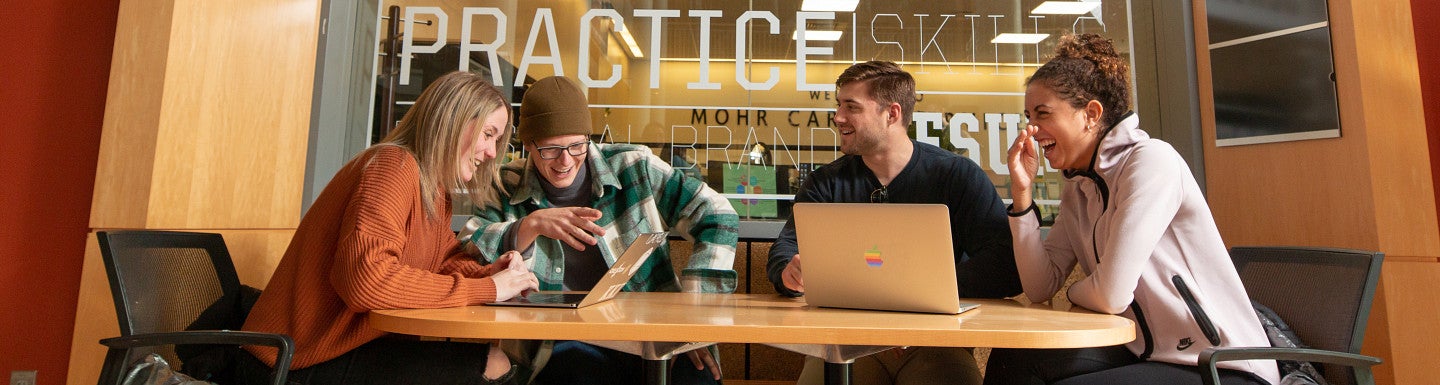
{"points": [[878, 256], [606, 288]]}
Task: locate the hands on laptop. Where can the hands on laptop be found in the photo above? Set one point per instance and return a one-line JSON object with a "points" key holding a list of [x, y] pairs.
{"points": [[791, 275], [516, 279]]}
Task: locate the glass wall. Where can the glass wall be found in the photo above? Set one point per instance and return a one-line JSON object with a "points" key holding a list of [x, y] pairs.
{"points": [[741, 93]]}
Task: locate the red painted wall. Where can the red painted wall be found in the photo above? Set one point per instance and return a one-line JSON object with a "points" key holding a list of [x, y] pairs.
{"points": [[1427, 52], [53, 77]]}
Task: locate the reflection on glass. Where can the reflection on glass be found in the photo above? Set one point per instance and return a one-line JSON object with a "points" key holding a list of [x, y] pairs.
{"points": [[706, 84]]}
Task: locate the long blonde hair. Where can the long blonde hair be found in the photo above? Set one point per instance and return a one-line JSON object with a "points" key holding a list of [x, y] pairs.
{"points": [[432, 130]]}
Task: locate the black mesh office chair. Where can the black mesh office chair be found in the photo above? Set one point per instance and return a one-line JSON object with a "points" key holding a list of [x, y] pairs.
{"points": [[177, 291], [1323, 294]]}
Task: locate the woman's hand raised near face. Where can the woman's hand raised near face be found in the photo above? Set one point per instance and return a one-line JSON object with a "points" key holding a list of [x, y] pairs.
{"points": [[1024, 157]]}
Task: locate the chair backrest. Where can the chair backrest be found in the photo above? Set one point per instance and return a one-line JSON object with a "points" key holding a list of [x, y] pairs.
{"points": [[1323, 293], [165, 281]]}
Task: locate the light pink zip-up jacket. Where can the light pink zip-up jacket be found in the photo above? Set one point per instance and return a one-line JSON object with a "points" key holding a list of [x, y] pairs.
{"points": [[1147, 243]]}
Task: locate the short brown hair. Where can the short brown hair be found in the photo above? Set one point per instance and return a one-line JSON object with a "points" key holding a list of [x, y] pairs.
{"points": [[888, 84], [432, 130], [1087, 67]]}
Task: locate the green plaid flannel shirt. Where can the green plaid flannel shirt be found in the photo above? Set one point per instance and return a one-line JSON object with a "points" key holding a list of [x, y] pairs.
{"points": [[636, 192]]}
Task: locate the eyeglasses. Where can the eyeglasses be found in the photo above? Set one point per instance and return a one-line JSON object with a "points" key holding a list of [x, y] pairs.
{"points": [[574, 149], [880, 195]]}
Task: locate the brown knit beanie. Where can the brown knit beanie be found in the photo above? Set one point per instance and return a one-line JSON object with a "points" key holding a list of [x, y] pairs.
{"points": [[553, 106]]}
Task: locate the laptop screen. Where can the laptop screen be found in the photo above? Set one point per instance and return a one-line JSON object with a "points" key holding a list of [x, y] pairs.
{"points": [[888, 256]]}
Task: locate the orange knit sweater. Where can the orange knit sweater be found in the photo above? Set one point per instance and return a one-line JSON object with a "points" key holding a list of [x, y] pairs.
{"points": [[365, 244]]}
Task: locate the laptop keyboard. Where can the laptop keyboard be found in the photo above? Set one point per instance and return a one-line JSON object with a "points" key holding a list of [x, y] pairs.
{"points": [[554, 297]]}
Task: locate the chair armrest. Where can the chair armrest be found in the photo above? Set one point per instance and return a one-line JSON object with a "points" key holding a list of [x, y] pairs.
{"points": [[218, 337], [1211, 356]]}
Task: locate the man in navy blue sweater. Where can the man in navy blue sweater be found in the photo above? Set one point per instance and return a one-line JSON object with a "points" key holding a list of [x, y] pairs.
{"points": [[883, 165]]}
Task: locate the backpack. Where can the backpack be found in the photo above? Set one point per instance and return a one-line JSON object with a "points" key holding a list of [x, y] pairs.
{"points": [[1281, 336]]}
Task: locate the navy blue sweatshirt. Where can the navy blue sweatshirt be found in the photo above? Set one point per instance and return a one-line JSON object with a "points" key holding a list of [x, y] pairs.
{"points": [[979, 228]]}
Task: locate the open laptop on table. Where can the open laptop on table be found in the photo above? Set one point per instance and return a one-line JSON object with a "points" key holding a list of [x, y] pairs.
{"points": [[878, 256], [606, 288]]}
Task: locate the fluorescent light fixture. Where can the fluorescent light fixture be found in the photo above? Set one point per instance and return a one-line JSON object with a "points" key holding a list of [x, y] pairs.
{"points": [[812, 35], [1065, 8], [829, 5], [1019, 38], [631, 44]]}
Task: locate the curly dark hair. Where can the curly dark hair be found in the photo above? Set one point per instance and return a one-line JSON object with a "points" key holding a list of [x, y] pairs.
{"points": [[1086, 67]]}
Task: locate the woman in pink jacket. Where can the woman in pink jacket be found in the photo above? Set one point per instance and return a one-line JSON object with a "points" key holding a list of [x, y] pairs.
{"points": [[1134, 219]]}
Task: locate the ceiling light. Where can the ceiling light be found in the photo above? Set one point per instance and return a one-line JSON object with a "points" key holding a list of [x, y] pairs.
{"points": [[630, 43], [829, 5], [1019, 38], [821, 35], [1065, 7]]}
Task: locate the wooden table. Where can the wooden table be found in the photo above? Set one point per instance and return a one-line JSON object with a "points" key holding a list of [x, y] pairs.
{"points": [[659, 325]]}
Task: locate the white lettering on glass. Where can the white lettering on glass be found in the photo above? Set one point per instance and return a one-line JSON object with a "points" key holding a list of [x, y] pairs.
{"points": [[544, 23], [407, 45], [710, 143], [997, 148], [655, 15], [741, 24], [543, 19], [924, 122], [803, 50], [925, 46], [584, 45], [877, 40], [704, 83], [467, 46], [959, 137]]}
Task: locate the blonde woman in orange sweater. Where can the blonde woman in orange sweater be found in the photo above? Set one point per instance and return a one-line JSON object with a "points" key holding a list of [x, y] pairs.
{"points": [[378, 237]]}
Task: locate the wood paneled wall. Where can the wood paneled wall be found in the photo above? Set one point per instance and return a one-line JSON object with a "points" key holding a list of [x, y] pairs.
{"points": [[132, 115], [206, 120], [1369, 189], [208, 114]]}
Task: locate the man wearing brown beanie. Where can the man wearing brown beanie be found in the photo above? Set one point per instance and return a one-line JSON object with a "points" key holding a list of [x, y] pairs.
{"points": [[571, 206]]}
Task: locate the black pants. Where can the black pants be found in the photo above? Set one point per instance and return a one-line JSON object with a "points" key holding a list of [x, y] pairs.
{"points": [[579, 363], [1107, 365], [385, 361]]}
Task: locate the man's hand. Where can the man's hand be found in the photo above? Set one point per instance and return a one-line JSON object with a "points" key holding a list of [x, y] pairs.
{"points": [[791, 276], [702, 359], [573, 225]]}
